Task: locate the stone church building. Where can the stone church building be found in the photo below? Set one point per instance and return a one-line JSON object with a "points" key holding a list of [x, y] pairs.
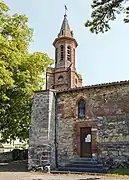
{"points": [[72, 121]]}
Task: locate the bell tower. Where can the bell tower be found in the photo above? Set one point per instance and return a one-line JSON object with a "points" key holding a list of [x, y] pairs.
{"points": [[64, 75], [65, 46]]}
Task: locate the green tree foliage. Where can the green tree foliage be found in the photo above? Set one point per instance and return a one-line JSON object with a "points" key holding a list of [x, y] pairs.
{"points": [[104, 11], [20, 74]]}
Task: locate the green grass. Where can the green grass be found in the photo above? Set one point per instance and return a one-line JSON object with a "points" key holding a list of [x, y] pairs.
{"points": [[120, 171]]}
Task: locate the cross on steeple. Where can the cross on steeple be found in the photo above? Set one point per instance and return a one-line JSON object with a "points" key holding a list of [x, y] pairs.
{"points": [[65, 28], [66, 10]]}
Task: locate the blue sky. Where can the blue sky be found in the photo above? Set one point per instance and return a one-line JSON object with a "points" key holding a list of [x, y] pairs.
{"points": [[99, 58]]}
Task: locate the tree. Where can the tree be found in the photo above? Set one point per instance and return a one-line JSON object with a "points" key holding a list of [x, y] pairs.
{"points": [[20, 74], [105, 11]]}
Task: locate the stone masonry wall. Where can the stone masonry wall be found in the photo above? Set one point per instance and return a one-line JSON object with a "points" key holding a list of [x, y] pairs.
{"points": [[109, 106], [42, 130], [113, 142]]}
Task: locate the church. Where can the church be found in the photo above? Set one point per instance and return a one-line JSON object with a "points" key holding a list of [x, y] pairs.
{"points": [[73, 122]]}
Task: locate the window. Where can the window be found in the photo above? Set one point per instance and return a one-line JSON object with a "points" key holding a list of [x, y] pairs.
{"points": [[61, 52], [56, 54], [69, 53], [60, 78], [81, 108]]}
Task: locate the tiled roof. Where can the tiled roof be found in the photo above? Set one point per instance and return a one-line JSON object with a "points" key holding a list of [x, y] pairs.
{"points": [[65, 28], [95, 86]]}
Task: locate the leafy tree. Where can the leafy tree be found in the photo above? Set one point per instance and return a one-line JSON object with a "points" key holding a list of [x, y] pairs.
{"points": [[105, 11], [20, 74]]}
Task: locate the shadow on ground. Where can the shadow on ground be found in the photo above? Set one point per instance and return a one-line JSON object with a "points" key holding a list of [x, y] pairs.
{"points": [[17, 166], [94, 178]]}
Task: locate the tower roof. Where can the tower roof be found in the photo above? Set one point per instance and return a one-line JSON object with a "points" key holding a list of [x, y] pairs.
{"points": [[65, 29], [65, 32]]}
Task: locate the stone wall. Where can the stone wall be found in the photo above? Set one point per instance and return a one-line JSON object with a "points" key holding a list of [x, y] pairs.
{"points": [[42, 130], [6, 157], [113, 128], [66, 134], [106, 104], [114, 154], [14, 155], [113, 142]]}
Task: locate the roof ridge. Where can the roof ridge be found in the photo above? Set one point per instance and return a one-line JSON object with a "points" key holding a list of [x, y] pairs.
{"points": [[96, 85]]}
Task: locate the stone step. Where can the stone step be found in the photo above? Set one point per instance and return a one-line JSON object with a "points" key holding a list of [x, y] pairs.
{"points": [[84, 162], [84, 158], [72, 172], [82, 169], [88, 165], [84, 165]]}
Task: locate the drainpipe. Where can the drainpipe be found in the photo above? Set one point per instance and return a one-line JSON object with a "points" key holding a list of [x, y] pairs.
{"points": [[56, 151]]}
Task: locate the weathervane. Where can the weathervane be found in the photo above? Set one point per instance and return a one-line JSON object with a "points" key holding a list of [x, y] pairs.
{"points": [[66, 10]]}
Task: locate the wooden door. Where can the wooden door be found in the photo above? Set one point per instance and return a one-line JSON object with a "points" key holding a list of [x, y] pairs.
{"points": [[85, 142]]}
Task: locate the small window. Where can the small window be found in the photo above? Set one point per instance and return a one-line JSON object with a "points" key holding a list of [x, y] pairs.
{"points": [[60, 78], [61, 52], [69, 53], [81, 109]]}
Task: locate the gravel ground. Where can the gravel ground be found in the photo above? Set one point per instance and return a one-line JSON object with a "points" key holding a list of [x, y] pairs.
{"points": [[37, 176], [18, 171]]}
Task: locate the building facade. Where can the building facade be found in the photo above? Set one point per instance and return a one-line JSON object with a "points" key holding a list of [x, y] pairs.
{"points": [[73, 121]]}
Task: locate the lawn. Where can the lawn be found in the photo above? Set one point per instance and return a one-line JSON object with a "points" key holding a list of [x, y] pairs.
{"points": [[120, 171]]}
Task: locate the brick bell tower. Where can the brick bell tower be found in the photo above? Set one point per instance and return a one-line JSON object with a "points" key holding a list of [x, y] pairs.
{"points": [[64, 75]]}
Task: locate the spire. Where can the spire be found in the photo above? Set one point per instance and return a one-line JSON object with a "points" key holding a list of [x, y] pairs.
{"points": [[65, 28]]}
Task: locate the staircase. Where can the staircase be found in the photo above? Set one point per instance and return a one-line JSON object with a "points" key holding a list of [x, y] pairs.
{"points": [[83, 165]]}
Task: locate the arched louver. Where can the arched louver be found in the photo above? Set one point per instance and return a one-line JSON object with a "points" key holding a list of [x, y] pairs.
{"points": [[61, 52], [69, 53]]}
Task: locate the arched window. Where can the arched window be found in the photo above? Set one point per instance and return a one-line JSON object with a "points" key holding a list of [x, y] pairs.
{"points": [[61, 52], [69, 53], [60, 78], [56, 54], [81, 108]]}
